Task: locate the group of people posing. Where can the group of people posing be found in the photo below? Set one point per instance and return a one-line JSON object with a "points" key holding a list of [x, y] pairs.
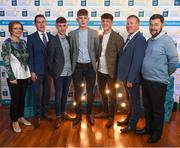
{"points": [[84, 56]]}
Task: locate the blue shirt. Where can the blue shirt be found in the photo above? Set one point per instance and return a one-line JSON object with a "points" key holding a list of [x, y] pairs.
{"points": [[67, 60], [83, 56], [161, 59]]}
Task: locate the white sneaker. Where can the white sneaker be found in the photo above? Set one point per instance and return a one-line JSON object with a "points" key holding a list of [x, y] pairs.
{"points": [[24, 121], [16, 127]]}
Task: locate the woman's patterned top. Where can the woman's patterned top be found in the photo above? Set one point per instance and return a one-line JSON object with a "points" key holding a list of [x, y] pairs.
{"points": [[19, 50]]}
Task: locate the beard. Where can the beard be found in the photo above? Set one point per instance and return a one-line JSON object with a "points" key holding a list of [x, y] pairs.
{"points": [[156, 34]]}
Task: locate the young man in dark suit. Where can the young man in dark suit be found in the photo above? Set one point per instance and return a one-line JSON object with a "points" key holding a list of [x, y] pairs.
{"points": [[59, 63], [129, 70], [111, 43], [37, 48]]}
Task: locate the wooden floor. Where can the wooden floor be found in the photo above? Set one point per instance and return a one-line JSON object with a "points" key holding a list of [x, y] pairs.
{"points": [[83, 135]]}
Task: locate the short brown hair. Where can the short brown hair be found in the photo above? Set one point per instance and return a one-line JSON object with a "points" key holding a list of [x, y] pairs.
{"points": [[61, 20], [11, 24], [107, 16], [134, 16], [83, 12], [39, 15], [157, 16]]}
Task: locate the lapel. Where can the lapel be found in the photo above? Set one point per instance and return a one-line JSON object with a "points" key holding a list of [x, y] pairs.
{"points": [[38, 39], [131, 41], [58, 43], [89, 40], [70, 51], [100, 44], [77, 39], [110, 41], [49, 36], [108, 44]]}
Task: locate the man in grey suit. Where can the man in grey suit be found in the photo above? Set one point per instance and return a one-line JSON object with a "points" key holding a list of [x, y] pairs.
{"points": [[59, 64], [84, 43]]}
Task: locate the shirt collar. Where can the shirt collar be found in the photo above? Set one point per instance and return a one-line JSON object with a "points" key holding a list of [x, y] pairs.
{"points": [[61, 36], [159, 35], [132, 35], [40, 33], [108, 34]]}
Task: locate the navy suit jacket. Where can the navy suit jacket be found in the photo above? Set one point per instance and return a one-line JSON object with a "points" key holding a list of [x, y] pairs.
{"points": [[131, 59], [38, 60]]}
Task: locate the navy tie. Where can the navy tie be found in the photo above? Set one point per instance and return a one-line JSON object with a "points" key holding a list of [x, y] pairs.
{"points": [[127, 39], [44, 39]]}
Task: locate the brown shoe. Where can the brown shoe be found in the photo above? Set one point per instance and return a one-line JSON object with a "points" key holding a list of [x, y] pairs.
{"points": [[65, 116], [102, 115], [37, 122], [110, 122], [57, 123], [48, 117]]}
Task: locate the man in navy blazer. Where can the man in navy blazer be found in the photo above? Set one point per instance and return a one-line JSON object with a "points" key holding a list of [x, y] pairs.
{"points": [[38, 64], [129, 70]]}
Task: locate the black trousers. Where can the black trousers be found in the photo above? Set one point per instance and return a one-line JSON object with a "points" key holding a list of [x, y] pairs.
{"points": [[103, 80], [18, 92], [133, 97], [81, 73], [153, 101]]}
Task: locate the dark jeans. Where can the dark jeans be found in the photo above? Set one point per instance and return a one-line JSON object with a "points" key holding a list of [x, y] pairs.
{"points": [[134, 104], [61, 85], [18, 92], [81, 73], [41, 101], [153, 101], [103, 80]]}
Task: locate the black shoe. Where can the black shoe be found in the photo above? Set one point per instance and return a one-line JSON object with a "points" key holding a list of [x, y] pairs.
{"points": [[142, 131], [110, 122], [124, 122], [77, 120], [153, 139], [127, 129], [102, 115], [48, 117], [57, 123], [90, 119], [37, 122], [65, 116]]}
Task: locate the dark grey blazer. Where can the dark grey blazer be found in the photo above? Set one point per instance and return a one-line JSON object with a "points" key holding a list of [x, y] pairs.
{"points": [[93, 43], [56, 57]]}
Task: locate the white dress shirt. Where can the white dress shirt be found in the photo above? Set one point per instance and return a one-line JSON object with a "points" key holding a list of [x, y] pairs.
{"points": [[103, 63], [41, 36]]}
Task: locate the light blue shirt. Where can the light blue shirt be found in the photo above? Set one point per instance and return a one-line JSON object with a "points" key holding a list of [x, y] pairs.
{"points": [[83, 56], [67, 60], [161, 59]]}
